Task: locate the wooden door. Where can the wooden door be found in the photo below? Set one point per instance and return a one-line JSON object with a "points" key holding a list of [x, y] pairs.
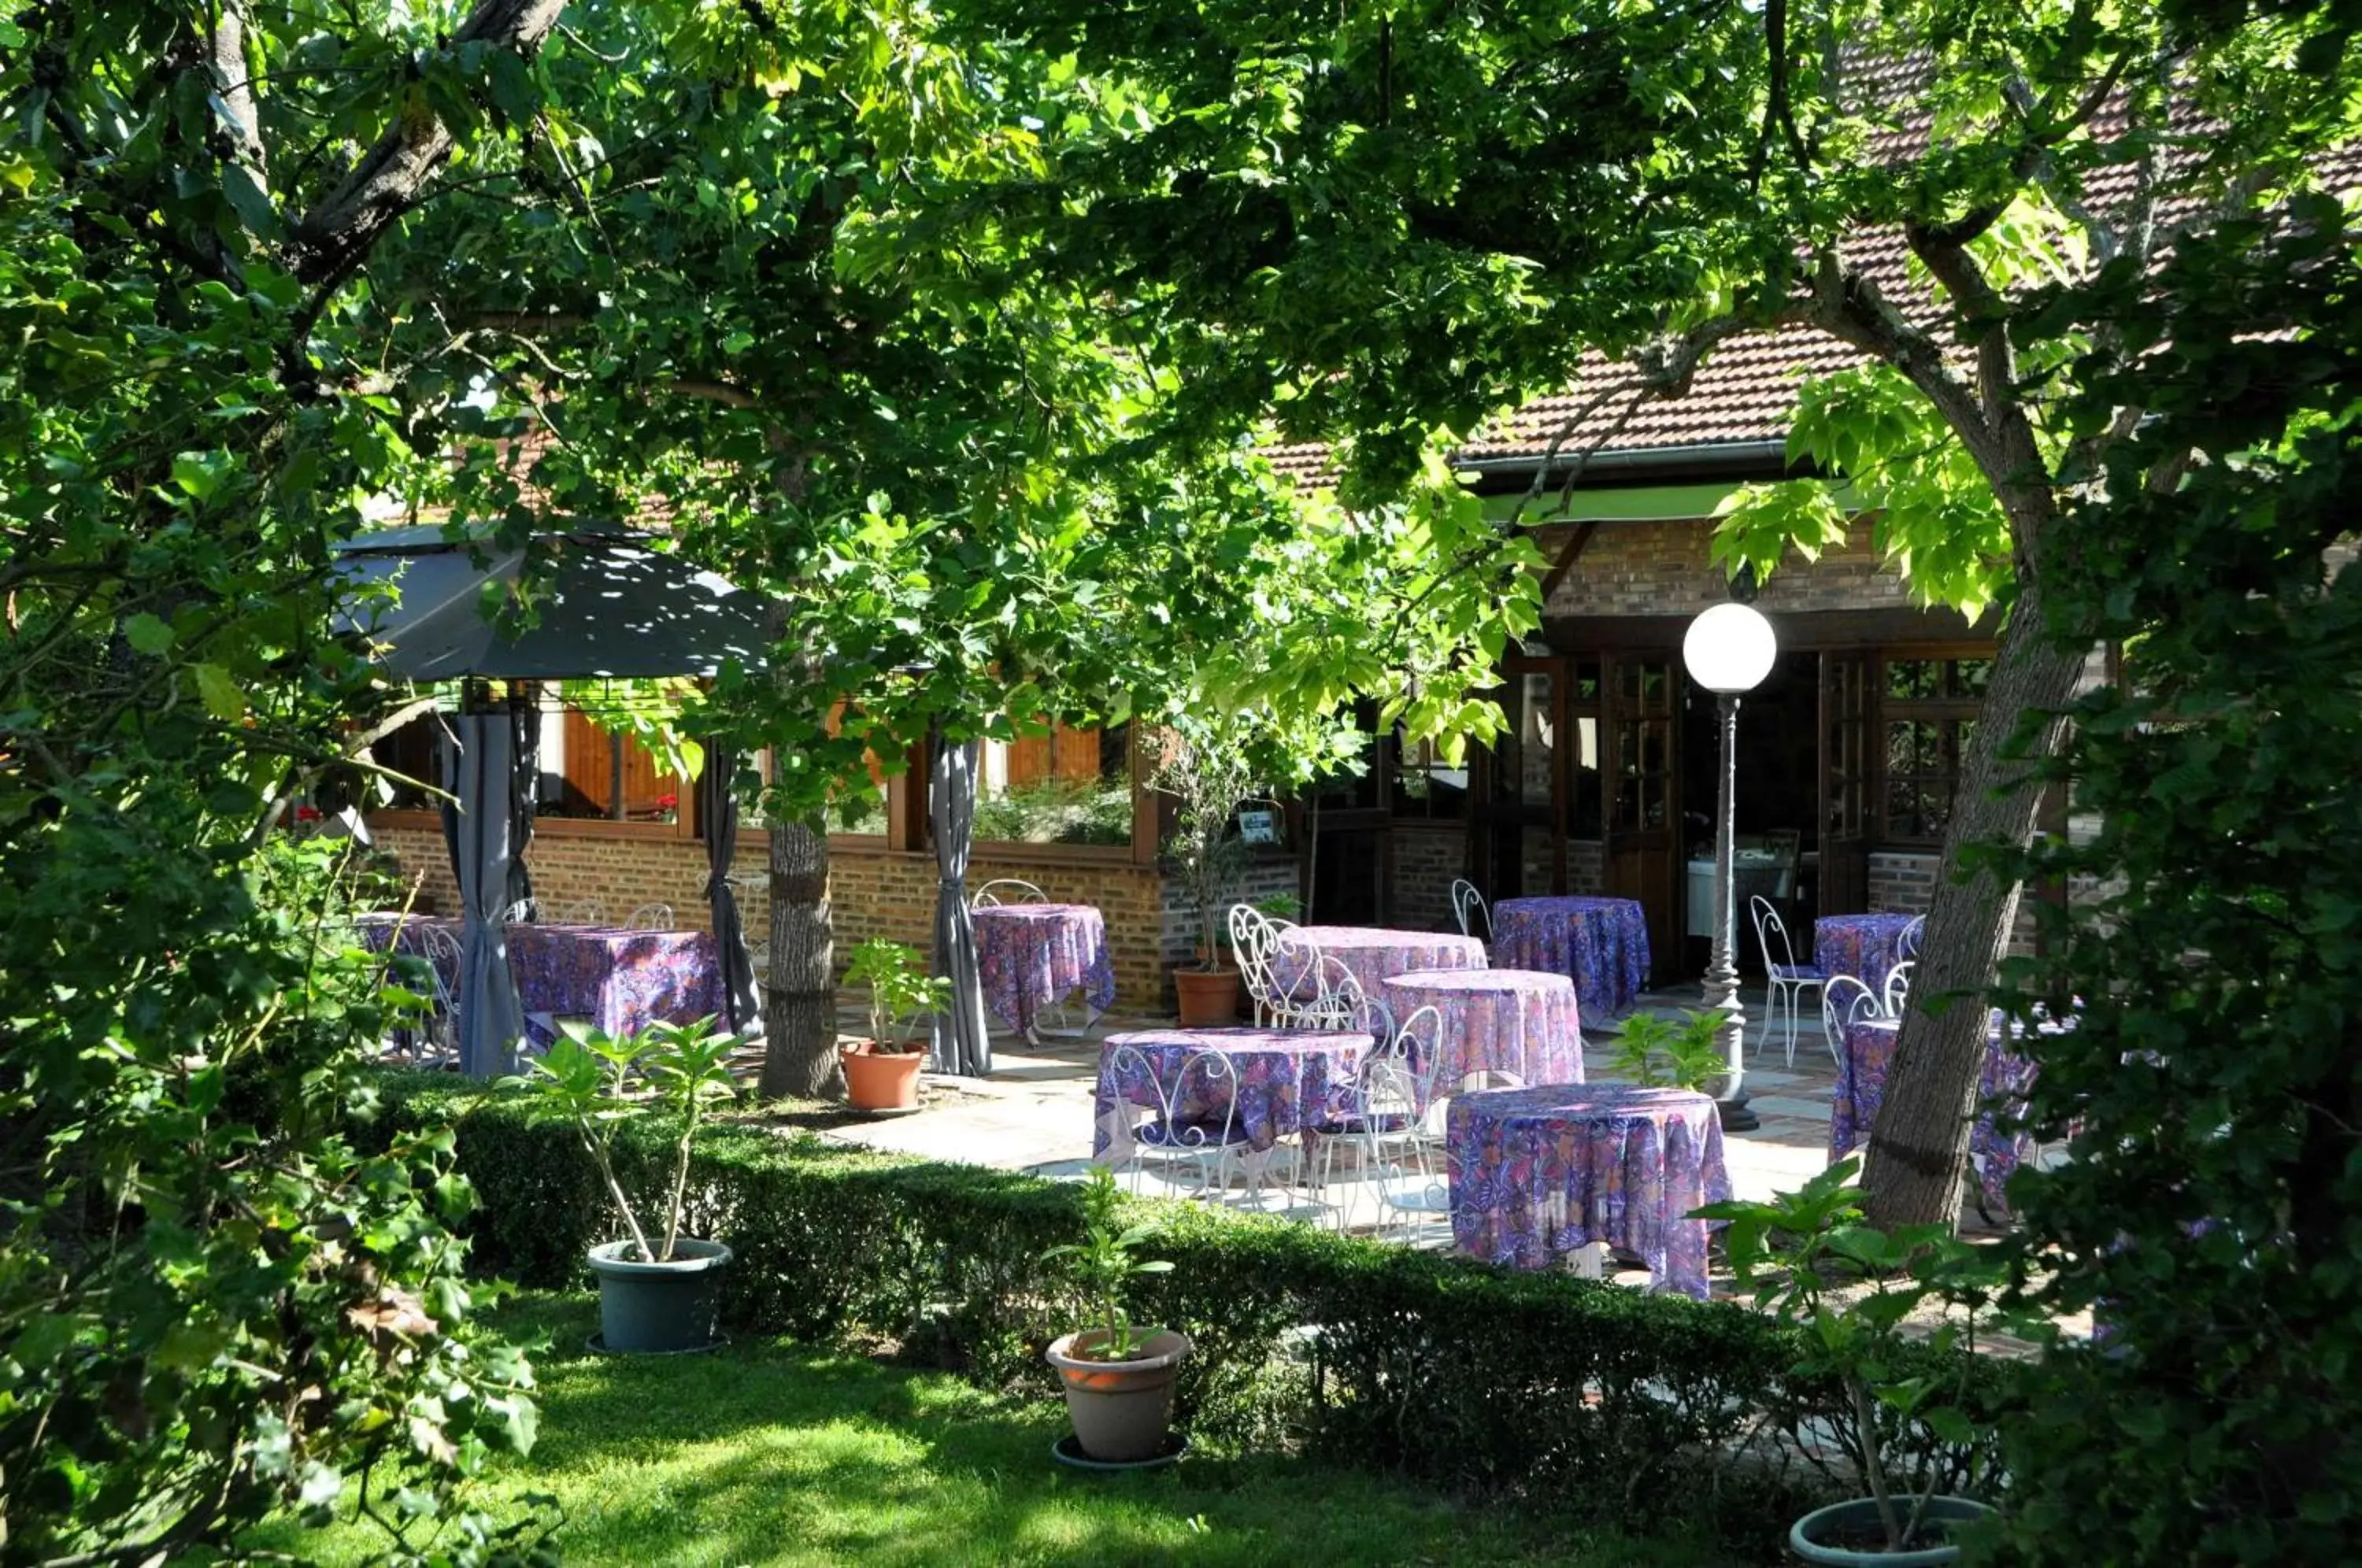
{"points": [[1842, 885], [1521, 789], [1643, 793]]}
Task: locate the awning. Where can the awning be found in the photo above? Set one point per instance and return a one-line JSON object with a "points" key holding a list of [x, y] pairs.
{"points": [[602, 602]]}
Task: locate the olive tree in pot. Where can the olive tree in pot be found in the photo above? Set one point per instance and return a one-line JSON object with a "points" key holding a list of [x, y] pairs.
{"points": [[881, 1073], [658, 1290], [1203, 762], [1849, 1288], [1119, 1378]]}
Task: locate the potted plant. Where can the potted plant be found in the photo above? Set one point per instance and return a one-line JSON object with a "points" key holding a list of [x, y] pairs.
{"points": [[1119, 1378], [881, 1073], [1849, 1288], [1209, 777], [1656, 1053], [658, 1290]]}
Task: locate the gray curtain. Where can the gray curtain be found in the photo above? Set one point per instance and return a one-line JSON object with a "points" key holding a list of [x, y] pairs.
{"points": [[960, 1046], [524, 789], [717, 813], [479, 761]]}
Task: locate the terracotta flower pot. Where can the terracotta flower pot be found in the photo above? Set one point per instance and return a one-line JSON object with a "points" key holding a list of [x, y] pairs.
{"points": [[1207, 999], [881, 1080], [1122, 1410]]}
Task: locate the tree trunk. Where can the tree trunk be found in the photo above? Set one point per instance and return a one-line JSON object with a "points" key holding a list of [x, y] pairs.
{"points": [[1919, 1146], [799, 1002]]}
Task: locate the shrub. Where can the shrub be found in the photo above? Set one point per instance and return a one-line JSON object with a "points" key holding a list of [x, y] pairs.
{"points": [[1434, 1366]]}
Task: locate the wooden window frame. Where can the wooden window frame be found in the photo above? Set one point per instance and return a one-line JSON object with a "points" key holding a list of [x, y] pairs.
{"points": [[1890, 709]]}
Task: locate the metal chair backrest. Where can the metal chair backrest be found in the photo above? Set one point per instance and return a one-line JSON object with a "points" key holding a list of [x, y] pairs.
{"points": [[1337, 1001], [1006, 890], [1845, 1000], [585, 911], [1898, 987], [1217, 1079], [1254, 940], [441, 950], [650, 917], [1906, 945], [1769, 930], [523, 911], [1469, 908]]}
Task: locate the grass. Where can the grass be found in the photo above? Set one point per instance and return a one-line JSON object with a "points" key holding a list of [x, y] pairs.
{"points": [[771, 1452]]}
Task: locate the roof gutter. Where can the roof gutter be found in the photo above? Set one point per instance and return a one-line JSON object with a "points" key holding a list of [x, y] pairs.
{"points": [[1670, 462]]}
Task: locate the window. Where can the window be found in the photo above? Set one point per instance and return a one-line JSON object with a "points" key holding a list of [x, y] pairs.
{"points": [[1644, 744], [1425, 787], [1930, 711], [588, 770], [1070, 786]]}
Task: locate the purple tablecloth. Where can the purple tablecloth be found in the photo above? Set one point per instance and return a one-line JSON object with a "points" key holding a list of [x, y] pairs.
{"points": [[619, 980], [1033, 956], [1514, 1020], [1602, 943], [1284, 1078], [1372, 953], [1538, 1173], [1864, 945], [1861, 1089]]}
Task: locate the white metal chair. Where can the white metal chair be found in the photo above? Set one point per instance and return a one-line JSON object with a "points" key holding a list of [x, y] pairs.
{"points": [[524, 911], [1786, 980], [583, 911], [1405, 1160], [1898, 987], [1336, 1001], [1005, 890], [650, 917], [1159, 1138], [1845, 1000], [1469, 908], [1254, 942], [1906, 945], [432, 1041]]}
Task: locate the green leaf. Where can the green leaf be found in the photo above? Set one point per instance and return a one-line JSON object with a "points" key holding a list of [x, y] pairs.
{"points": [[253, 204], [200, 474], [147, 633], [221, 696]]}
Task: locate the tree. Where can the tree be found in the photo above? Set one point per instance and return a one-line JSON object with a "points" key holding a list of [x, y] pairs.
{"points": [[959, 485], [220, 1298], [1377, 222]]}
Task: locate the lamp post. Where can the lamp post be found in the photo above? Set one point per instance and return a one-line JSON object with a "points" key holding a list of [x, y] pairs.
{"points": [[1728, 650]]}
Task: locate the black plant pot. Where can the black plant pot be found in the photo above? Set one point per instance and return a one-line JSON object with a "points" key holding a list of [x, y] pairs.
{"points": [[651, 1308]]}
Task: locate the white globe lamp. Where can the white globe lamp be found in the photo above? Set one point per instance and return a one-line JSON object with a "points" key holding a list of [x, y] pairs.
{"points": [[1728, 650]]}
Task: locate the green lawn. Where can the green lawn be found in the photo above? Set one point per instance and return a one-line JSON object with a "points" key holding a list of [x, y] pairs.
{"points": [[771, 1452]]}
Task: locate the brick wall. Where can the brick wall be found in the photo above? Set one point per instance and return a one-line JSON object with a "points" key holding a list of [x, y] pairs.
{"points": [[872, 891], [1177, 932], [1661, 568], [1427, 858]]}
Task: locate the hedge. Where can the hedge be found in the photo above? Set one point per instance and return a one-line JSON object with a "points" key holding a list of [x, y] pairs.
{"points": [[1471, 1378]]}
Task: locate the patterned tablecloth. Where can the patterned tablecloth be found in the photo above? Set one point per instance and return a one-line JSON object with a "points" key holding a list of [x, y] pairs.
{"points": [[1864, 945], [1538, 1173], [1513, 1020], [1861, 1089], [1372, 953], [1602, 943], [1035, 955], [1284, 1084], [619, 980]]}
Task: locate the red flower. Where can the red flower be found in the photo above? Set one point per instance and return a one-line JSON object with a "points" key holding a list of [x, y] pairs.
{"points": [[668, 802], [308, 813]]}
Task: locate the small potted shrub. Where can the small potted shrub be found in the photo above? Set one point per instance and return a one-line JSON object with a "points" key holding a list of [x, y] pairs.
{"points": [[881, 1073], [658, 1290], [1655, 1054], [1119, 1378], [1208, 774], [1792, 1251]]}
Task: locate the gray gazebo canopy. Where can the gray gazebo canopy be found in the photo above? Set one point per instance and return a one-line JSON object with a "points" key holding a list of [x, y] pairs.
{"points": [[605, 604]]}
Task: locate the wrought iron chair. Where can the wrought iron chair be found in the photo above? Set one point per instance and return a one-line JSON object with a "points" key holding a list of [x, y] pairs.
{"points": [[1406, 1163], [523, 911], [1468, 908], [1336, 1002], [1005, 890], [1254, 944], [650, 917], [1906, 945], [1845, 1000], [1787, 981], [1898, 988], [433, 1040], [583, 911], [1159, 1138]]}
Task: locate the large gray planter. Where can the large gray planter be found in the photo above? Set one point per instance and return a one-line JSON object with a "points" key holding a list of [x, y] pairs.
{"points": [[1122, 1410], [651, 1308], [1834, 1536]]}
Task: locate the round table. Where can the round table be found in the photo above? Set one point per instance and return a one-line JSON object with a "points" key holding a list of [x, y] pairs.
{"points": [[1278, 1084], [1031, 957], [1540, 1173], [2002, 1084], [1510, 1020], [1864, 945], [1602, 943], [1372, 954]]}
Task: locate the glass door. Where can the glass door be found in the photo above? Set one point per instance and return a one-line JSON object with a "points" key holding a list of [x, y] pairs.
{"points": [[1842, 883], [1643, 836], [1521, 798]]}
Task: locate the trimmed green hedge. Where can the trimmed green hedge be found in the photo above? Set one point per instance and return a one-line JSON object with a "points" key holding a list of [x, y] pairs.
{"points": [[1462, 1376]]}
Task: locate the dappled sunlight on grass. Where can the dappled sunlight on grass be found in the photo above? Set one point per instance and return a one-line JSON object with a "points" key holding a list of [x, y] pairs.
{"points": [[769, 1453]]}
